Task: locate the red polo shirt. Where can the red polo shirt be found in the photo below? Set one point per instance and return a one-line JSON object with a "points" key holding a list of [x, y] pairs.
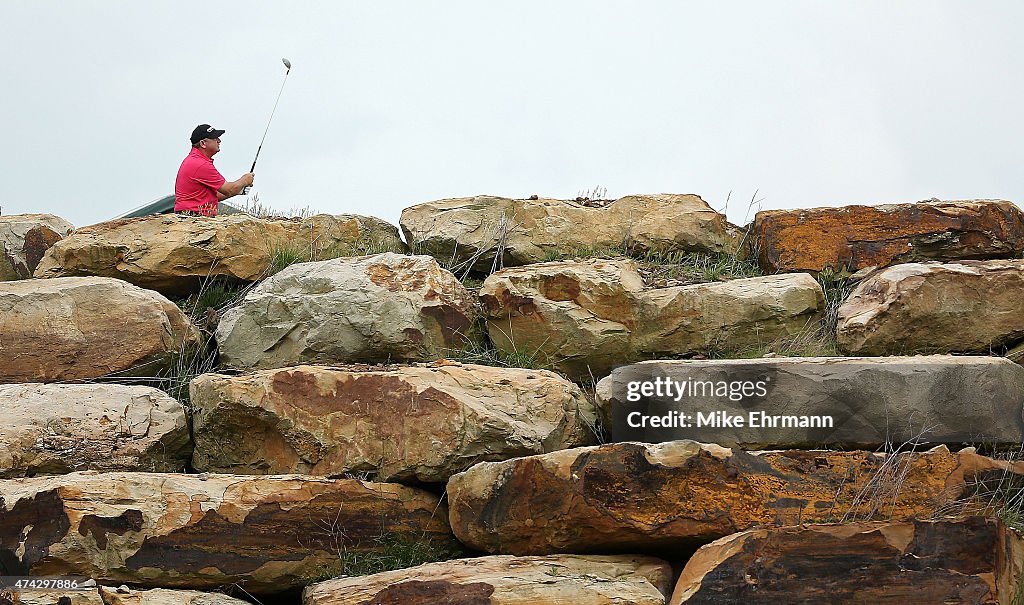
{"points": [[196, 187]]}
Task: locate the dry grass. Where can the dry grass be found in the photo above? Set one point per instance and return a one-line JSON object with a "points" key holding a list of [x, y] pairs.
{"points": [[494, 241], [254, 207]]}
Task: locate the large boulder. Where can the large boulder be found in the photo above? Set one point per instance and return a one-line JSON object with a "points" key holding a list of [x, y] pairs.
{"points": [[381, 308], [60, 428], [502, 580], [470, 231], [419, 423], [74, 328], [966, 307], [24, 239], [585, 317], [635, 496], [905, 563], [164, 530], [856, 237], [174, 254], [838, 402]]}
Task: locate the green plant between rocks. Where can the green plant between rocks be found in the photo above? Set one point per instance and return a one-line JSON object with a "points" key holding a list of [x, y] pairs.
{"points": [[998, 494], [478, 349], [395, 552], [286, 255], [837, 286], [662, 268]]}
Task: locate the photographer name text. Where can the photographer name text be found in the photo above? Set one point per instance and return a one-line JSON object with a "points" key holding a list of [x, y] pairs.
{"points": [[725, 419]]}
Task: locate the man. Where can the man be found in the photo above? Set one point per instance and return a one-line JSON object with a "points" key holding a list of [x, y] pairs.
{"points": [[200, 186]]}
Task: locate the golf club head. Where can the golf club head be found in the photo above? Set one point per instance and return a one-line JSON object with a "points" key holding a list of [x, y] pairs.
{"points": [[287, 64]]}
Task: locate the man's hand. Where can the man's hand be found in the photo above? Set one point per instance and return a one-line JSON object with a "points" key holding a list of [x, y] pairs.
{"points": [[235, 187]]}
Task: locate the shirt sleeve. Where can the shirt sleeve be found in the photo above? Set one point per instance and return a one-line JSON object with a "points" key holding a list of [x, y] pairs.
{"points": [[208, 175]]}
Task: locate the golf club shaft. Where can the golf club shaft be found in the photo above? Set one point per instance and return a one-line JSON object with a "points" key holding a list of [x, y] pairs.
{"points": [[272, 112]]}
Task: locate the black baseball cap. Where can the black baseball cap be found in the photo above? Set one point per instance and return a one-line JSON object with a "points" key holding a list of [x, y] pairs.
{"points": [[205, 131]]}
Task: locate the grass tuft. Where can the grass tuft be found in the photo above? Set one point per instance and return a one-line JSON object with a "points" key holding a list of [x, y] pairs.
{"points": [[287, 255], [254, 207], [837, 286], [480, 351], [397, 553], [665, 268]]}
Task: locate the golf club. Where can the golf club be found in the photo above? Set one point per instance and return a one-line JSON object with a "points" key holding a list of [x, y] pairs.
{"points": [[288, 66]]}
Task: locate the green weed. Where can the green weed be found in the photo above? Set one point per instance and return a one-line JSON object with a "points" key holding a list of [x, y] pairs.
{"points": [[484, 353], [287, 255], [213, 294], [837, 286], [661, 268], [680, 268], [398, 553]]}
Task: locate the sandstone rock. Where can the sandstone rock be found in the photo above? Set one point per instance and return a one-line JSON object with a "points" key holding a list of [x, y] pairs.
{"points": [[174, 254], [554, 580], [586, 317], [103, 595], [869, 401], [970, 306], [24, 238], [162, 596], [905, 563], [631, 496], [854, 237], [528, 231], [88, 596], [52, 428], [419, 423], [381, 308], [163, 530], [85, 327]]}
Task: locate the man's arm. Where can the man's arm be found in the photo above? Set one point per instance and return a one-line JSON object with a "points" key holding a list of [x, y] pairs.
{"points": [[234, 187]]}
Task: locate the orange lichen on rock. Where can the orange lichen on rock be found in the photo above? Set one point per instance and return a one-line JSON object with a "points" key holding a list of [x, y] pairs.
{"points": [[856, 237], [682, 493]]}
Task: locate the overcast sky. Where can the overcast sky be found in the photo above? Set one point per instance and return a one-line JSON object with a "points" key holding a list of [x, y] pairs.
{"points": [[394, 103]]}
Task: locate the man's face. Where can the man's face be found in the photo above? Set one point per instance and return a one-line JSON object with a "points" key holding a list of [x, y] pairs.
{"points": [[212, 146]]}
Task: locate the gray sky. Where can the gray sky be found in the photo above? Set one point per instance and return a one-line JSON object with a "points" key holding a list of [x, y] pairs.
{"points": [[391, 104]]}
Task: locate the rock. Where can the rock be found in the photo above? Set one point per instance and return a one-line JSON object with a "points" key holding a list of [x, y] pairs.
{"points": [[24, 238], [868, 402], [103, 595], [1016, 353], [554, 580], [163, 530], [60, 428], [584, 318], [419, 423], [912, 562], [75, 328], [970, 306], [633, 496], [854, 237], [87, 596], [470, 230], [381, 308], [162, 596], [174, 254]]}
